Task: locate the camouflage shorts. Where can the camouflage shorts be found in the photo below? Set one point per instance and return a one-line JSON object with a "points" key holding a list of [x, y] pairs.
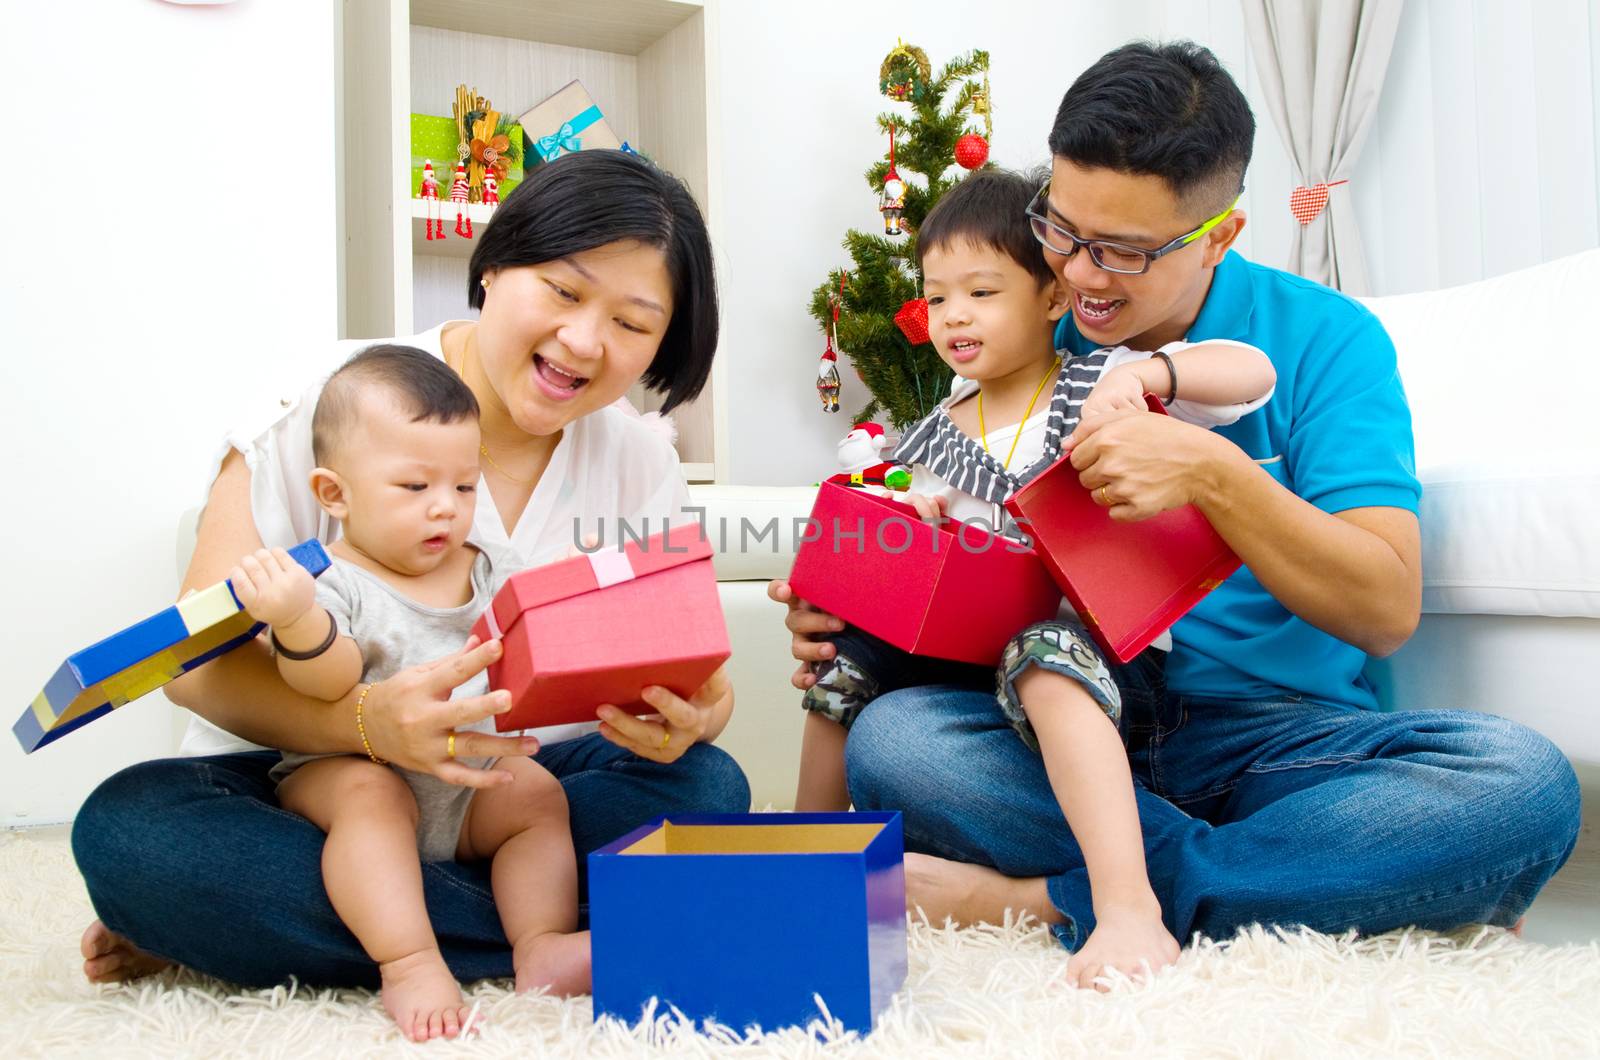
{"points": [[842, 691], [1060, 648]]}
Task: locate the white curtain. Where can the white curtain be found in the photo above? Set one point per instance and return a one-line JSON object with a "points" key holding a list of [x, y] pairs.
{"points": [[1322, 64]]}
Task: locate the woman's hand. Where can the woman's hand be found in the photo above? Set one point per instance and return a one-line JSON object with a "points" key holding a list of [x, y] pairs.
{"points": [[804, 622], [680, 723], [409, 718]]}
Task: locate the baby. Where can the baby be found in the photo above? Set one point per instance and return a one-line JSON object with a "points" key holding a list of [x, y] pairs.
{"points": [[992, 301], [395, 439]]}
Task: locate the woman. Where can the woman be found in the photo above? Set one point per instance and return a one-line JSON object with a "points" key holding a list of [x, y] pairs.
{"points": [[594, 275]]}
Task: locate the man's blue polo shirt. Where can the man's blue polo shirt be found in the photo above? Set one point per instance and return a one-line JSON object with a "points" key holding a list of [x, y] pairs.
{"points": [[1340, 423]]}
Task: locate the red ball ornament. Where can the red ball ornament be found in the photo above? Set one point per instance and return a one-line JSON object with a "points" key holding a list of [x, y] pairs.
{"points": [[913, 321], [972, 151]]}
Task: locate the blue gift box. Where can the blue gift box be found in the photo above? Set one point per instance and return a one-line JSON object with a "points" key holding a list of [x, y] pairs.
{"points": [[140, 659], [742, 918]]}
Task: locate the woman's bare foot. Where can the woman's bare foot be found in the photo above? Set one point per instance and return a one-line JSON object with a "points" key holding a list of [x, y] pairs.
{"points": [[422, 996], [553, 960], [972, 894], [110, 958]]}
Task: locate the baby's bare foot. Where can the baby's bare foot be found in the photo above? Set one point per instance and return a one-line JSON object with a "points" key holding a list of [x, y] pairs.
{"points": [[558, 962], [423, 997], [110, 958]]}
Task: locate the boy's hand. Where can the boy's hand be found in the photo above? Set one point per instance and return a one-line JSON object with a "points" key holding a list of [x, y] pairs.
{"points": [[1132, 941], [931, 509], [1121, 388], [273, 587]]}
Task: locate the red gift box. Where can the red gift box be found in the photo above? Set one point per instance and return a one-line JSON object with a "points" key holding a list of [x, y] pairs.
{"points": [[1128, 581], [951, 591], [598, 628]]}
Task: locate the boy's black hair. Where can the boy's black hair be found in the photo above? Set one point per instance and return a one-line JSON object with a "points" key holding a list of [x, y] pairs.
{"points": [[1165, 110], [587, 199], [424, 387], [988, 209]]}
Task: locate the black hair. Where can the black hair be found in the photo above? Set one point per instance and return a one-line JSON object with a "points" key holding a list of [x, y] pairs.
{"points": [[424, 386], [587, 199], [988, 209], [1165, 110]]}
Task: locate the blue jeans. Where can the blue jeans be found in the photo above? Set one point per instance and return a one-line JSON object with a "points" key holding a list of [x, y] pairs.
{"points": [[193, 860], [1283, 812]]}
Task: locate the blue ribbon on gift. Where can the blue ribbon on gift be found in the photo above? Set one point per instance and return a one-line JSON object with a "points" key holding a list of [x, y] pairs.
{"points": [[566, 138]]}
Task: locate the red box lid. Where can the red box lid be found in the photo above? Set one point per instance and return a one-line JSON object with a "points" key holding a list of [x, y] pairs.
{"points": [[1128, 581]]}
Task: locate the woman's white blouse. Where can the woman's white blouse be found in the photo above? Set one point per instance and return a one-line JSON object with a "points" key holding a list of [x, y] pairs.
{"points": [[608, 465]]}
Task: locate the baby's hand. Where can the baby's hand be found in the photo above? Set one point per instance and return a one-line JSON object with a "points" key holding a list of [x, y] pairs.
{"points": [[1134, 942], [931, 509], [273, 587], [1120, 388]]}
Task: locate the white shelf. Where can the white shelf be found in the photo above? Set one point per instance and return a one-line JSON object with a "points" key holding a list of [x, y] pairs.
{"points": [[626, 27], [452, 246]]}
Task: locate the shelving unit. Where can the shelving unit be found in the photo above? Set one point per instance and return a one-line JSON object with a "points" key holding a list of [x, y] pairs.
{"points": [[645, 62]]}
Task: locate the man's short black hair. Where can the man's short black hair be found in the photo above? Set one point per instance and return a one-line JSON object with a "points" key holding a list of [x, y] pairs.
{"points": [[424, 387], [988, 209], [1164, 110], [587, 199]]}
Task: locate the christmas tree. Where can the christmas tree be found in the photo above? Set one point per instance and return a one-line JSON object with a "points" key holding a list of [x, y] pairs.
{"points": [[906, 378]]}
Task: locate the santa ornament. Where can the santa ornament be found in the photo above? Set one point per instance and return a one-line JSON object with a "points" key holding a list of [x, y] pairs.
{"points": [[460, 191], [430, 195], [893, 203], [491, 190], [862, 467], [828, 367]]}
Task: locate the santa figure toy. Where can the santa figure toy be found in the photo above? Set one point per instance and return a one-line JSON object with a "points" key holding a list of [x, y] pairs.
{"points": [[430, 195], [491, 189], [860, 454], [828, 380], [459, 191]]}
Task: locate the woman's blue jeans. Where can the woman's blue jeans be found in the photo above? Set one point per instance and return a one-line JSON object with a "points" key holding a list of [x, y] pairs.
{"points": [[1283, 812], [193, 860]]}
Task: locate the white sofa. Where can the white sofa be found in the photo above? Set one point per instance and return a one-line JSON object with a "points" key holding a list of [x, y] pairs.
{"points": [[1501, 376]]}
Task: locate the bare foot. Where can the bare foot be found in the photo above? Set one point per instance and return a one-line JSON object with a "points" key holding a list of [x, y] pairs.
{"points": [[423, 997], [110, 958], [971, 894], [1516, 929], [558, 962]]}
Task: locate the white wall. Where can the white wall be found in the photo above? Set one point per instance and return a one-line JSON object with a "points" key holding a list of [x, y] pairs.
{"points": [[192, 277], [1482, 160]]}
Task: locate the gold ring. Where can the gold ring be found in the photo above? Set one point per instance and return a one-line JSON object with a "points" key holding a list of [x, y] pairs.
{"points": [[666, 738], [1105, 498], [450, 746]]}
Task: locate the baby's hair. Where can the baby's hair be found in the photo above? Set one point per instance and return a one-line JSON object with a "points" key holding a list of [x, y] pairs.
{"points": [[988, 209], [423, 385]]}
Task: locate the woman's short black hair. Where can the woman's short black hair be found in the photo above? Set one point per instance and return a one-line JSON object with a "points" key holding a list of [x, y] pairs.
{"points": [[1166, 110], [420, 383], [988, 209], [588, 199]]}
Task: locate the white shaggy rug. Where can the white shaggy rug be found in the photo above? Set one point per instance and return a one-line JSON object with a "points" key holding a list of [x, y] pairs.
{"points": [[974, 992]]}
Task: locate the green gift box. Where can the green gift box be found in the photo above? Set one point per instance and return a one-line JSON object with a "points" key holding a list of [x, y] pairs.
{"points": [[433, 139]]}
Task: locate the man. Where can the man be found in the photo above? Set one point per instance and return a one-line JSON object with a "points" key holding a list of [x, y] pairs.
{"points": [[1270, 789]]}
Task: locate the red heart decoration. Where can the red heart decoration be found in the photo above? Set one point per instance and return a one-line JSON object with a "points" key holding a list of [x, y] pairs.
{"points": [[913, 320], [1306, 203]]}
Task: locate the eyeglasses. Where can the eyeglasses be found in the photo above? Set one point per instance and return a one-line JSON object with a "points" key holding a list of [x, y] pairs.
{"points": [[1112, 257]]}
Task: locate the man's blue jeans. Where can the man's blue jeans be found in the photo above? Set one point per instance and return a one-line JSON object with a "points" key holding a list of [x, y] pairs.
{"points": [[1283, 812], [193, 860]]}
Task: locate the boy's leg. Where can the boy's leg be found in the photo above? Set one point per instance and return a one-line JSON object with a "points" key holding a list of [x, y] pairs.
{"points": [[522, 829], [822, 785], [374, 880]]}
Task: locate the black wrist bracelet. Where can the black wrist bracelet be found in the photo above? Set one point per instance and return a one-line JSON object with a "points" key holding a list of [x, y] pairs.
{"points": [[302, 656], [1172, 371]]}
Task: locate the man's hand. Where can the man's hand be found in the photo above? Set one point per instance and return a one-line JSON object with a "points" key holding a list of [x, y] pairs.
{"points": [[1138, 464]]}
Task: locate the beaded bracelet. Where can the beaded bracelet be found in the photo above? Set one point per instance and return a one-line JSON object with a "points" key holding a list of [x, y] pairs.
{"points": [[361, 701]]}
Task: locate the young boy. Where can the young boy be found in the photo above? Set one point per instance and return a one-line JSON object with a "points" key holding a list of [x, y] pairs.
{"points": [[395, 438], [992, 305]]}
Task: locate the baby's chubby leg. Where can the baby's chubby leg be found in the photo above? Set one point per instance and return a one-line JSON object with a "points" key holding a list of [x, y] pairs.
{"points": [[523, 826], [374, 880]]}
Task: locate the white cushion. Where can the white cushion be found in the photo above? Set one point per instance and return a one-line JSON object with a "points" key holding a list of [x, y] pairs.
{"points": [[1502, 382], [753, 529]]}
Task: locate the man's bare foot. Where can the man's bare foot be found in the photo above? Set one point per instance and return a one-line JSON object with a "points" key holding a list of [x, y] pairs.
{"points": [[422, 996], [110, 958], [971, 894], [553, 960]]}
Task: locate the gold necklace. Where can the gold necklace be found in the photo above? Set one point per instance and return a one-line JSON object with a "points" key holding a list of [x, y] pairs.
{"points": [[983, 434], [483, 451]]}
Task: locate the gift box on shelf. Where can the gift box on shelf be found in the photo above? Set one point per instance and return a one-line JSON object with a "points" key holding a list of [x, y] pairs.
{"points": [[953, 591], [598, 628], [1128, 581], [567, 121], [140, 659], [434, 139], [773, 912]]}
